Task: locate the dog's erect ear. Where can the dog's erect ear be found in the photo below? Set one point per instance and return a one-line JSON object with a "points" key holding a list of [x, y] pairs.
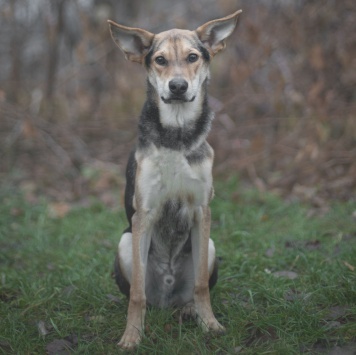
{"points": [[134, 42], [214, 33]]}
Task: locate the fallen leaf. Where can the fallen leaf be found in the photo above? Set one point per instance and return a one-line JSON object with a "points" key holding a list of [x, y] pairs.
{"points": [[293, 244], [349, 266], [347, 237], [150, 334], [270, 252], [238, 349], [347, 349], [15, 212], [333, 324], [300, 245], [29, 130], [67, 291], [257, 335], [59, 347], [50, 266], [64, 346], [291, 275], [41, 326], [29, 189], [8, 295], [167, 328], [113, 298], [303, 192], [58, 209], [295, 295], [337, 312], [5, 347], [99, 319], [225, 302], [106, 243], [264, 218], [312, 244], [72, 338]]}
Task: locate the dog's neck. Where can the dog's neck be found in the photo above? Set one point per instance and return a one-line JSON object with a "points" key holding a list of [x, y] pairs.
{"points": [[180, 114], [177, 126]]}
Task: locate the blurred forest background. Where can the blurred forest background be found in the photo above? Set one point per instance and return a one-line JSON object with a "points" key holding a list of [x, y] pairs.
{"points": [[284, 93]]}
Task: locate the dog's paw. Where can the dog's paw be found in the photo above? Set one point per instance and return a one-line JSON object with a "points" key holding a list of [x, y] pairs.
{"points": [[130, 339], [217, 328], [189, 311], [212, 325]]}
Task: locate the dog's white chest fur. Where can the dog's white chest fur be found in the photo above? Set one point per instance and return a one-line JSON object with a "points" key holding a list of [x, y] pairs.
{"points": [[166, 174]]}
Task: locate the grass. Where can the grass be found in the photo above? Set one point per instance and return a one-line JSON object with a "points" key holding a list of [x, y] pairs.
{"points": [[57, 289]]}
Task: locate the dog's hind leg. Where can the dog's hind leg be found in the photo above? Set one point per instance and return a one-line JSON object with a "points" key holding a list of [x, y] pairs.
{"points": [[212, 265], [123, 264]]}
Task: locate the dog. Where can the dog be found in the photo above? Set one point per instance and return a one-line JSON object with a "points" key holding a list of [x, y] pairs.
{"points": [[165, 257]]}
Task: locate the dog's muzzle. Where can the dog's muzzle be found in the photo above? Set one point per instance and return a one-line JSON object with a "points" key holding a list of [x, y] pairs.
{"points": [[178, 88]]}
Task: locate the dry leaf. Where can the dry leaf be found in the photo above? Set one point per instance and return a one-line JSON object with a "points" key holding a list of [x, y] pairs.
{"points": [[51, 266], [270, 252], [333, 324], [42, 328], [337, 312], [99, 319], [67, 291], [58, 209], [6, 347], [168, 328], [29, 130], [292, 295], [59, 347], [295, 295], [16, 212], [312, 244], [347, 349], [264, 218], [291, 275], [113, 298], [323, 347], [349, 266], [238, 349]]}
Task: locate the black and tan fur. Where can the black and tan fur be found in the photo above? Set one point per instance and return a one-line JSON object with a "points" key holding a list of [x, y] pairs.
{"points": [[166, 257]]}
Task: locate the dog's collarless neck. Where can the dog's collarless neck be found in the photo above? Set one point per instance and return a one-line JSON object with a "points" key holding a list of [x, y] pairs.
{"points": [[177, 137]]}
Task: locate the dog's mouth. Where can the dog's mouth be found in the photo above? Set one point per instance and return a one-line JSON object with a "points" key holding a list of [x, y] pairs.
{"points": [[176, 99]]}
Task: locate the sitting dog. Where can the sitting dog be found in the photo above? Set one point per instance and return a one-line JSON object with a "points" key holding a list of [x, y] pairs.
{"points": [[166, 257]]}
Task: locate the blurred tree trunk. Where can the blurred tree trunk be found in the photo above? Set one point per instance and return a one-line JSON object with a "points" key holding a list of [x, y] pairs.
{"points": [[132, 8], [16, 56], [55, 31]]}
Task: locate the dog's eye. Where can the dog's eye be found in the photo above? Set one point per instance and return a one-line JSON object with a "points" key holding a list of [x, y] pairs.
{"points": [[161, 60], [192, 58]]}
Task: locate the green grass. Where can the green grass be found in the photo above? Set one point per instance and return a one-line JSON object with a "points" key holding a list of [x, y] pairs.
{"points": [[58, 271]]}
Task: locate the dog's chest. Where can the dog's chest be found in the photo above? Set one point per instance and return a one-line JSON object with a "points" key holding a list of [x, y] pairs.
{"points": [[166, 175]]}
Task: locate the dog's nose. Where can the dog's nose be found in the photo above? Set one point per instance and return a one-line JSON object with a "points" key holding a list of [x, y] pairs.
{"points": [[178, 86]]}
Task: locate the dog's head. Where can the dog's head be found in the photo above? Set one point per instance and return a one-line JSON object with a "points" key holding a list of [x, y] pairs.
{"points": [[177, 61]]}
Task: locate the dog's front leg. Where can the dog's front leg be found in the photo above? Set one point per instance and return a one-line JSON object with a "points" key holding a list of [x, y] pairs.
{"points": [[137, 304], [200, 250]]}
